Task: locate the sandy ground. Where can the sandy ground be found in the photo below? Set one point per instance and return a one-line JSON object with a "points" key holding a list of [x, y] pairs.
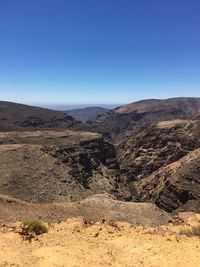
{"points": [[72, 243]]}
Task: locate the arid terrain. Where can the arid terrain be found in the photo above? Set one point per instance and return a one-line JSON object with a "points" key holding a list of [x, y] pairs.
{"points": [[123, 121], [157, 162], [93, 209], [14, 116], [121, 177], [46, 166], [75, 243], [161, 163], [99, 133]]}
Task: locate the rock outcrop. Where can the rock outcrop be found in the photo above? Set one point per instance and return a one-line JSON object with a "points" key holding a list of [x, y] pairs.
{"points": [[174, 185], [161, 163], [45, 166], [158, 145]]}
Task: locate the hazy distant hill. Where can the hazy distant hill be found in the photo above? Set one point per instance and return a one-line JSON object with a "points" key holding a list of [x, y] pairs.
{"points": [[87, 114], [15, 116]]}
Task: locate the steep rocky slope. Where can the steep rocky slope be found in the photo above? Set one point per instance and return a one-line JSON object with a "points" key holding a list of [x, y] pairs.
{"points": [[45, 166], [158, 145], [15, 116], [161, 163], [174, 185], [122, 122]]}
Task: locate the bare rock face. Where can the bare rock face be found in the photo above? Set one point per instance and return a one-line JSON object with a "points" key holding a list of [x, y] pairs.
{"points": [[174, 185], [161, 163], [156, 146], [45, 166], [30, 174]]}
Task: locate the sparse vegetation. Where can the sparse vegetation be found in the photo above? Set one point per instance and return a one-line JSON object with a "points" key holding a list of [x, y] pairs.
{"points": [[31, 229], [195, 231], [132, 188]]}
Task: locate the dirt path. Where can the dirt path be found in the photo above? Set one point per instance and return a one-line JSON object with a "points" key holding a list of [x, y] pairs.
{"points": [[72, 243]]}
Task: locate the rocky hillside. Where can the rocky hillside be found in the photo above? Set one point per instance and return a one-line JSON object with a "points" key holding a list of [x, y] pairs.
{"points": [[154, 158], [158, 145], [45, 166], [15, 116], [122, 122], [161, 163], [174, 185], [185, 106]]}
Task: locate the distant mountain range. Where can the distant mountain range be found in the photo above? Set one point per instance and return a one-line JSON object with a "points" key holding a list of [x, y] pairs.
{"points": [[117, 123], [87, 114], [63, 107]]}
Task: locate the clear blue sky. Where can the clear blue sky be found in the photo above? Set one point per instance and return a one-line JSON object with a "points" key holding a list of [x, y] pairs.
{"points": [[98, 51]]}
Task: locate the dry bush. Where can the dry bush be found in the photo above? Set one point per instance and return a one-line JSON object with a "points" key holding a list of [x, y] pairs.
{"points": [[195, 231], [31, 229]]}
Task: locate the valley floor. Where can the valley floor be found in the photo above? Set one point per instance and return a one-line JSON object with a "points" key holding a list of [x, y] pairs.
{"points": [[72, 243]]}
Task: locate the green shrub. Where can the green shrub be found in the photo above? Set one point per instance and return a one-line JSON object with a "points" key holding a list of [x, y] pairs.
{"points": [[30, 229], [132, 188]]}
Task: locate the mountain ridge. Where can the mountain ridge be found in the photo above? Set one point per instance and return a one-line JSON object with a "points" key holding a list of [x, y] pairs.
{"points": [[123, 121], [149, 105], [15, 116], [86, 114], [118, 153]]}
